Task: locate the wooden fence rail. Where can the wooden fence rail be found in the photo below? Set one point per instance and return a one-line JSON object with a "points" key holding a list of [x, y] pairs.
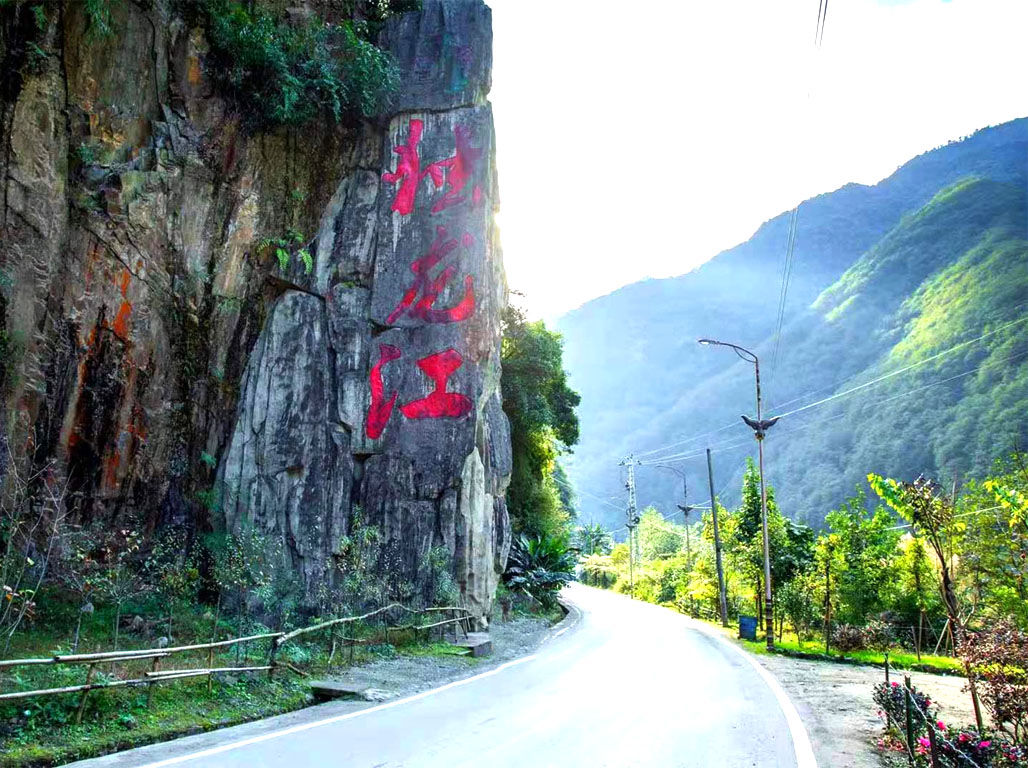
{"points": [[155, 655]]}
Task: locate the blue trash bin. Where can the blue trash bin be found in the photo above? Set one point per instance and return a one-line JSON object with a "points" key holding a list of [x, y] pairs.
{"points": [[748, 627]]}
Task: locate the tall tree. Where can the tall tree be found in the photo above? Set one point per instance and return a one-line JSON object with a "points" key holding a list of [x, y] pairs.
{"points": [[543, 424], [867, 544]]}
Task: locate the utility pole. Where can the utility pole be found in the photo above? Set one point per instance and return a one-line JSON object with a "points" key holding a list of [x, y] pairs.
{"points": [[633, 519], [722, 599], [760, 426]]}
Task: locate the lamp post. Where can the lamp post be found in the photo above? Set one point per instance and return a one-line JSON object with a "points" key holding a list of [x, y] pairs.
{"points": [[684, 507], [759, 427]]}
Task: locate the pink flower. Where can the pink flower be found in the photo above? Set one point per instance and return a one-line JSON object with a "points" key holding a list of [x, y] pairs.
{"points": [[895, 685], [963, 737], [924, 742], [940, 725], [984, 744], [928, 702]]}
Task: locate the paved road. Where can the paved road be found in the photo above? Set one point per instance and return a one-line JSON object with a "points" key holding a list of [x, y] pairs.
{"points": [[628, 684]]}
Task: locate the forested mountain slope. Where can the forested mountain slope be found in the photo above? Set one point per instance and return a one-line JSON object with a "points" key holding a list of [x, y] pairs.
{"points": [[883, 277]]}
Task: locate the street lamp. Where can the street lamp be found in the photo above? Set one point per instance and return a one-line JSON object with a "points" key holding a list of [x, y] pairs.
{"points": [[760, 427], [685, 509]]}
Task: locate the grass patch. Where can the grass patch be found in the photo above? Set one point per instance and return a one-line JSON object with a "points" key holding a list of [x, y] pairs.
{"points": [[439, 650], [898, 659], [41, 731], [116, 720]]}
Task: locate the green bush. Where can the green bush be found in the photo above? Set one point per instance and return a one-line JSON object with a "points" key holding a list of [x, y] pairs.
{"points": [[541, 566], [283, 74]]}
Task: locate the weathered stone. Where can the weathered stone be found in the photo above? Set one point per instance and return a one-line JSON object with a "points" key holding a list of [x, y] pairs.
{"points": [[288, 468], [445, 54], [175, 374]]}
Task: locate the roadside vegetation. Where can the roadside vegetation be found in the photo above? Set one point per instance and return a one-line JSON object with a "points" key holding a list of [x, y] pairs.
{"points": [[541, 409], [921, 580], [77, 589]]}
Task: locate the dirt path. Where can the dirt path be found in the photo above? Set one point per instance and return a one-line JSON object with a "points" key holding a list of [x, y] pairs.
{"points": [[834, 701]]}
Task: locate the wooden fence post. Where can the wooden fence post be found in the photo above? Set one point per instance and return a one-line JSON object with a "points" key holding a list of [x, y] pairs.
{"points": [[271, 659], [910, 719], [85, 693], [931, 743], [149, 687], [210, 665]]}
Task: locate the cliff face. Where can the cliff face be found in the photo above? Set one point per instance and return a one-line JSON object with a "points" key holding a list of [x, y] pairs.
{"points": [[171, 370]]}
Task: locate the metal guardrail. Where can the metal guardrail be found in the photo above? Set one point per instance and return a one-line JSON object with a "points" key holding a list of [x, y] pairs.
{"points": [[155, 655]]}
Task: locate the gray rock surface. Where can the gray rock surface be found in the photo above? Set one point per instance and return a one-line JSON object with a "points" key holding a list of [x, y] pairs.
{"points": [[174, 373]]}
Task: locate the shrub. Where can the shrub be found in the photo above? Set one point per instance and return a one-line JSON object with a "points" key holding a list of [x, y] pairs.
{"points": [[877, 635], [282, 74], [846, 637], [999, 658], [891, 701], [541, 566], [955, 748]]}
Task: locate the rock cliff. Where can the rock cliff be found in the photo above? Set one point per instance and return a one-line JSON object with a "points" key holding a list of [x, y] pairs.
{"points": [[162, 361]]}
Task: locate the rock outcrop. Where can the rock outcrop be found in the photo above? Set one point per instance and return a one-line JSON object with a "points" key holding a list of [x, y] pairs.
{"points": [[175, 373]]}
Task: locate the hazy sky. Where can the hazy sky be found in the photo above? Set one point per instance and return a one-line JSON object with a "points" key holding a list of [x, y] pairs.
{"points": [[638, 139]]}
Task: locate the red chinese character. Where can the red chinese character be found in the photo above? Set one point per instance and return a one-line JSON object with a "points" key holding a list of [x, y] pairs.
{"points": [[430, 289], [456, 171], [439, 403], [380, 409], [408, 170]]}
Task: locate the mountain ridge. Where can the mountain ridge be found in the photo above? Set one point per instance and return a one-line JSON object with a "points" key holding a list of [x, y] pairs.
{"points": [[648, 329]]}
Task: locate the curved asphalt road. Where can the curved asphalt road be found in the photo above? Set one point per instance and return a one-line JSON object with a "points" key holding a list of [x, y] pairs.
{"points": [[627, 684]]}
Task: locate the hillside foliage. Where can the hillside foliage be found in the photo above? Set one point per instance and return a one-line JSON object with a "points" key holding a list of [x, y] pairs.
{"points": [[543, 424], [906, 313]]}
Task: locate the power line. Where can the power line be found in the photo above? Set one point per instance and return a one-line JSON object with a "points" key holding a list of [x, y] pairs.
{"points": [[590, 495], [694, 438], [821, 17], [808, 425], [698, 454], [692, 455], [904, 369], [686, 441], [689, 440], [864, 372], [962, 514], [782, 293]]}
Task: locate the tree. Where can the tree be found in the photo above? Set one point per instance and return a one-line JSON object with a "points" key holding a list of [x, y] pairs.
{"points": [[930, 512], [867, 547], [658, 537], [593, 539], [993, 545], [791, 544], [543, 424], [916, 598]]}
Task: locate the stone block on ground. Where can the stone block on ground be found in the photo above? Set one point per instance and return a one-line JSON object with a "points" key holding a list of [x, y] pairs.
{"points": [[478, 643]]}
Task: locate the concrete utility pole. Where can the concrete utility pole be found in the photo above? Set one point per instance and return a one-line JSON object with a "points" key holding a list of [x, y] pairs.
{"points": [[722, 598], [633, 519], [759, 427]]}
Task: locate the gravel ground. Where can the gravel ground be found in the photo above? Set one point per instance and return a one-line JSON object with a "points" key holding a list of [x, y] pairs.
{"points": [[834, 701], [404, 675]]}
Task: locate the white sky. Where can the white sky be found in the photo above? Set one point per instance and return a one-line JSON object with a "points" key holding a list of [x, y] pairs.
{"points": [[638, 139]]}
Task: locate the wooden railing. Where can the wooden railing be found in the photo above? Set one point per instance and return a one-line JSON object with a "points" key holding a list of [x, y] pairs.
{"points": [[461, 617]]}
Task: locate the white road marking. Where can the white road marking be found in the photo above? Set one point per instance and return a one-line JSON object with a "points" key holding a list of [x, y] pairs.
{"points": [[800, 740], [338, 718]]}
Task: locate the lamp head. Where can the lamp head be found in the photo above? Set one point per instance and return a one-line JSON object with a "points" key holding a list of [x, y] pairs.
{"points": [[706, 342]]}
